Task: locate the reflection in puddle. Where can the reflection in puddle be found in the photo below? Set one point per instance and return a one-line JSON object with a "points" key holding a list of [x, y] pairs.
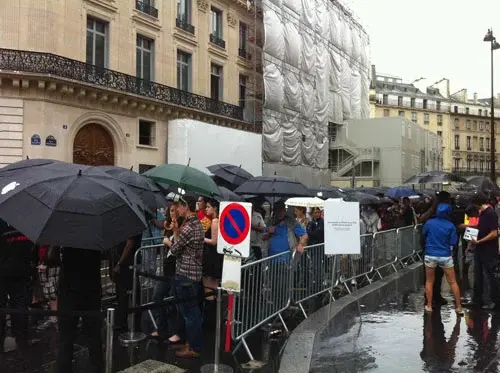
{"points": [[398, 337]]}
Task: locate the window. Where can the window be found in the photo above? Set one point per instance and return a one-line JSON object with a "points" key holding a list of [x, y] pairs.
{"points": [[401, 113], [481, 144], [145, 167], [183, 71], [147, 132], [147, 6], [243, 90], [481, 127], [97, 42], [440, 119], [183, 20], [467, 124], [242, 50], [414, 116], [144, 58], [466, 110], [457, 124], [426, 118], [425, 104], [184, 10], [385, 100], [216, 82], [440, 133], [486, 113], [487, 144], [412, 102], [481, 165], [468, 143], [438, 105], [216, 28], [455, 109], [387, 112], [474, 125], [457, 142], [457, 163], [400, 101], [469, 164], [480, 112]]}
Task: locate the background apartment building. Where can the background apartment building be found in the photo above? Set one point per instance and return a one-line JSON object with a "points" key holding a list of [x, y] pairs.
{"points": [[105, 81]]}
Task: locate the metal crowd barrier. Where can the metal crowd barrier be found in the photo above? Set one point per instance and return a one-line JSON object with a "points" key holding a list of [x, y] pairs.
{"points": [[271, 285]]}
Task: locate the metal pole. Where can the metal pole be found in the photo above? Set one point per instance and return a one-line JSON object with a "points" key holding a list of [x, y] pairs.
{"points": [[218, 329], [492, 126], [110, 323]]}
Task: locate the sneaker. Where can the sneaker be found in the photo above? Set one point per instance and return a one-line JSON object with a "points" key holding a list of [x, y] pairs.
{"points": [[489, 306], [354, 282], [47, 324]]}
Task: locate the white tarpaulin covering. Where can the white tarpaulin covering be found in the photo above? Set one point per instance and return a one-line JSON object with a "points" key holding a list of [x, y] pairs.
{"points": [[316, 70]]}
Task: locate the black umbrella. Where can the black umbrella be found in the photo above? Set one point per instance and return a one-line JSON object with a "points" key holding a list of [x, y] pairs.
{"points": [[483, 183], [150, 193], [364, 199], [229, 174], [70, 205], [273, 186], [28, 163], [435, 177], [328, 192], [229, 196]]}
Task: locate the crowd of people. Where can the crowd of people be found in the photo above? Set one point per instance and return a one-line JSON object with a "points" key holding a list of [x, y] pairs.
{"points": [[444, 232], [186, 229]]}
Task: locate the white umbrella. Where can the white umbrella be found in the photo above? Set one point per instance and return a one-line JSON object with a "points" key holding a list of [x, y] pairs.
{"points": [[305, 202]]}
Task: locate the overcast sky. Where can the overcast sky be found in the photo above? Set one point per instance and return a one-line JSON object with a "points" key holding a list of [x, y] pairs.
{"points": [[433, 39]]}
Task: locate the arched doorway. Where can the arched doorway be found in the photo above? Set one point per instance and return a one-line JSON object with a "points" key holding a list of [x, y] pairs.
{"points": [[93, 146]]}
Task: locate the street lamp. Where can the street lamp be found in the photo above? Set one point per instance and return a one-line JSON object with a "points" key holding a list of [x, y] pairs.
{"points": [[489, 38]]}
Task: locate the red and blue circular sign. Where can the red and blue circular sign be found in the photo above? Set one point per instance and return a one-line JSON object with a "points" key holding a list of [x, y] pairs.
{"points": [[234, 224]]}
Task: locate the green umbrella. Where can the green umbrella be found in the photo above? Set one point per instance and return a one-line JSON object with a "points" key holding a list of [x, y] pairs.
{"points": [[185, 177]]}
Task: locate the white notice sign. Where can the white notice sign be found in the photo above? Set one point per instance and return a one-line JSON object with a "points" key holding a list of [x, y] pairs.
{"points": [[231, 274], [342, 235]]}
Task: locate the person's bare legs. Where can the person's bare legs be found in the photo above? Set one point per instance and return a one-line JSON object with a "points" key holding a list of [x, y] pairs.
{"points": [[429, 284], [455, 290]]}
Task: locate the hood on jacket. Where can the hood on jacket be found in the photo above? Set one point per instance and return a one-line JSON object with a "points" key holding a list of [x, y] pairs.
{"points": [[444, 211]]}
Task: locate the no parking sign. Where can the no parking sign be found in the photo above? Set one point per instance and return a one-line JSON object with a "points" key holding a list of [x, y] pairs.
{"points": [[234, 229]]}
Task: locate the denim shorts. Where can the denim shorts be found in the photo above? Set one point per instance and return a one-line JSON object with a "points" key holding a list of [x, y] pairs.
{"points": [[442, 261]]}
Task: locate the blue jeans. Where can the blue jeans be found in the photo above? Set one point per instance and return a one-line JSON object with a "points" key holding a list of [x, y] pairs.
{"points": [[163, 315], [191, 323]]}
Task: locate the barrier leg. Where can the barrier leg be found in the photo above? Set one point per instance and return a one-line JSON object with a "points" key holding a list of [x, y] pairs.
{"points": [[110, 324]]}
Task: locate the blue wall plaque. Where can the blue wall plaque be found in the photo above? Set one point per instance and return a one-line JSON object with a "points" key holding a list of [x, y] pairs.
{"points": [[50, 141], [35, 139]]}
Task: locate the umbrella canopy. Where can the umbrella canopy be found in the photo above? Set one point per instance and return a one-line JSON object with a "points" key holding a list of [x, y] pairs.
{"points": [[230, 174], [434, 177], [273, 186], [328, 192], [28, 163], [70, 205], [229, 196], [185, 177], [149, 192], [399, 192], [305, 202], [364, 199], [483, 183]]}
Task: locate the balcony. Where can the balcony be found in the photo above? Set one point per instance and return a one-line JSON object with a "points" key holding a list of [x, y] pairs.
{"points": [[214, 39], [184, 25], [481, 149], [52, 66], [416, 105], [146, 7], [457, 147], [470, 171], [243, 53]]}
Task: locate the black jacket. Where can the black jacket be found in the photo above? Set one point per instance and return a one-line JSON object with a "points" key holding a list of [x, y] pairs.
{"points": [[316, 232], [17, 253]]}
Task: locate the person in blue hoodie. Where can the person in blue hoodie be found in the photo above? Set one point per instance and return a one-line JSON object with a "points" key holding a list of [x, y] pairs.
{"points": [[440, 236]]}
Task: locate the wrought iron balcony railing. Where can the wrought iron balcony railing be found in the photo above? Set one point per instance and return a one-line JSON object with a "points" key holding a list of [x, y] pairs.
{"points": [[184, 25], [243, 53], [62, 67], [214, 39], [146, 7]]}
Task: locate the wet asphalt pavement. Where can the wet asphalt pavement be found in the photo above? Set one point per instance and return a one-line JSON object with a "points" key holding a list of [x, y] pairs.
{"points": [[398, 337]]}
